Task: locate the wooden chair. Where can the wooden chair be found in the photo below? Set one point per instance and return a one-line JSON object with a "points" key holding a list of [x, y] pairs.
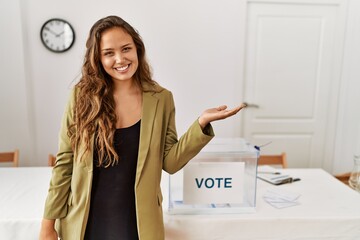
{"points": [[51, 160], [273, 160], [10, 157], [344, 177]]}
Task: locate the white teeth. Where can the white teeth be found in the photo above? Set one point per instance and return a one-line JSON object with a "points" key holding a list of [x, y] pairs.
{"points": [[122, 68]]}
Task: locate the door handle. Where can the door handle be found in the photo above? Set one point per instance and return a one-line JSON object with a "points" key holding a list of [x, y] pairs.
{"points": [[251, 105]]}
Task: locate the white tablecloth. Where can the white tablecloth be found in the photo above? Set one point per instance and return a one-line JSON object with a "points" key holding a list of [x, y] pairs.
{"points": [[327, 210], [22, 197]]}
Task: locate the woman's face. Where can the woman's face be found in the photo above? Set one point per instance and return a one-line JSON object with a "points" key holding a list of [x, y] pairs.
{"points": [[118, 54]]}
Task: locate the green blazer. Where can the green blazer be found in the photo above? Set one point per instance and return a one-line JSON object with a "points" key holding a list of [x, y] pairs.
{"points": [[69, 194]]}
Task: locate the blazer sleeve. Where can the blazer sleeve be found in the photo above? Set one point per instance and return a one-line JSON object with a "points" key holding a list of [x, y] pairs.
{"points": [[58, 194], [177, 153]]}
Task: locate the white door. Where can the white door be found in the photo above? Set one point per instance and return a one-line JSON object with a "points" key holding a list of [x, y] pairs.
{"points": [[292, 71]]}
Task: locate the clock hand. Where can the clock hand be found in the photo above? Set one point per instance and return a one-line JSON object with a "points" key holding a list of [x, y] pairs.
{"points": [[48, 29], [58, 35]]}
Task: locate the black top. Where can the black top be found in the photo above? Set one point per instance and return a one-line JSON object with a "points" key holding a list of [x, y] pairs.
{"points": [[112, 208]]}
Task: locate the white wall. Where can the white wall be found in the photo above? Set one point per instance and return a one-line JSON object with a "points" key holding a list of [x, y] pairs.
{"points": [[194, 47], [348, 129], [15, 107]]}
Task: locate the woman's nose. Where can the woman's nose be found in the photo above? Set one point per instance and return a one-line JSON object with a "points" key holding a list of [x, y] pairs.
{"points": [[120, 58]]}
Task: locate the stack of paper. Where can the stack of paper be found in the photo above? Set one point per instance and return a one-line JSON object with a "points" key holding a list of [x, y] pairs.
{"points": [[281, 198], [273, 175]]}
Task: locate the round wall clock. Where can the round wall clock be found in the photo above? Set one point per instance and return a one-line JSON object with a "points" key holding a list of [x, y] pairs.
{"points": [[57, 35]]}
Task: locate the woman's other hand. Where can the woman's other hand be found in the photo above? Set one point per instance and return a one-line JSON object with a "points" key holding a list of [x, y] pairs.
{"points": [[214, 114], [47, 231]]}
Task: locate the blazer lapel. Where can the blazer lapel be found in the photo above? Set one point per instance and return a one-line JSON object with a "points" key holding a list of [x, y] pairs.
{"points": [[89, 158], [86, 157], [147, 122]]}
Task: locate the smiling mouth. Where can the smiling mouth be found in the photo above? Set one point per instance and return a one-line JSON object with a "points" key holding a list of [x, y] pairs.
{"points": [[123, 68]]}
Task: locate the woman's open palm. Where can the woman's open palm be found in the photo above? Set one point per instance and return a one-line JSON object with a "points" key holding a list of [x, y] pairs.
{"points": [[214, 114]]}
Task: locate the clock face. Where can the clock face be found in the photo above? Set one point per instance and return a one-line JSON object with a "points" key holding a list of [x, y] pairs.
{"points": [[57, 35]]}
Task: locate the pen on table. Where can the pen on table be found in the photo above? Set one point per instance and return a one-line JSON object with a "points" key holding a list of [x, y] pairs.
{"points": [[276, 173], [289, 180]]}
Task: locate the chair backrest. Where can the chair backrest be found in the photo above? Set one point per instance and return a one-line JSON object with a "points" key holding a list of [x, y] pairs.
{"points": [[51, 160], [273, 160], [10, 157]]}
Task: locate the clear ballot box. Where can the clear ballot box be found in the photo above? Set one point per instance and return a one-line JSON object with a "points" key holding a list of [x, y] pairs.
{"points": [[220, 179]]}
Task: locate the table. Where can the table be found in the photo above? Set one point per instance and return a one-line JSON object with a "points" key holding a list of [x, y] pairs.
{"points": [[328, 210], [23, 192]]}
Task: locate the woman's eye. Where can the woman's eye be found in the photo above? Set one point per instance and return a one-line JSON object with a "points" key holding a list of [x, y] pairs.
{"points": [[108, 53], [126, 49]]}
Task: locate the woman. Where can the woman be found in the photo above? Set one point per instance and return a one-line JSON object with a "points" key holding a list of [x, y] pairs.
{"points": [[118, 133]]}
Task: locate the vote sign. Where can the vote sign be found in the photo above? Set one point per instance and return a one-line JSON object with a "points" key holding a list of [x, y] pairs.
{"points": [[213, 182]]}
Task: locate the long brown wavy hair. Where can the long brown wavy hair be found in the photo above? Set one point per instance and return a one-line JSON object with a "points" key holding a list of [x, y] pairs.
{"points": [[94, 110]]}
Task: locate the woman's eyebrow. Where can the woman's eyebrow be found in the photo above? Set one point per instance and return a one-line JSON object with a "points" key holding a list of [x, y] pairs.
{"points": [[126, 45], [109, 49], [106, 49]]}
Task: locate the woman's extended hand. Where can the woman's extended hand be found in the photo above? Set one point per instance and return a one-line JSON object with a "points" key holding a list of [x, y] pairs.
{"points": [[218, 113]]}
